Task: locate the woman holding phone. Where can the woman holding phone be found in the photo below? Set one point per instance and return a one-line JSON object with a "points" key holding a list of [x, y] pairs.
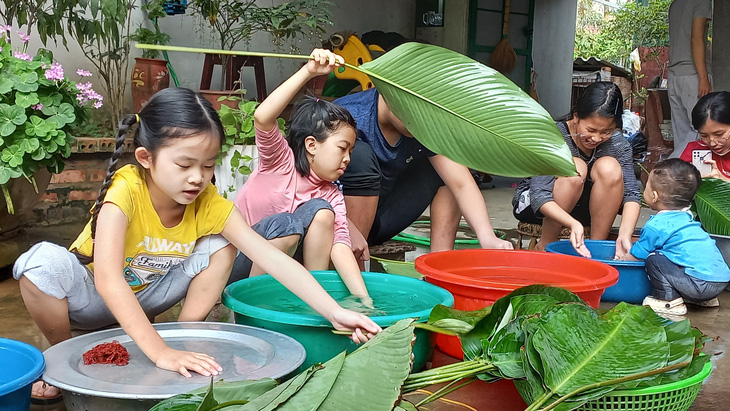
{"points": [[711, 119]]}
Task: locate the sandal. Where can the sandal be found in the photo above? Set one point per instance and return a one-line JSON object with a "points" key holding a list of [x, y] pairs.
{"points": [[46, 400]]}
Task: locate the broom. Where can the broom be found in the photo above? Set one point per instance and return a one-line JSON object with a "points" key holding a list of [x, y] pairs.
{"points": [[503, 57]]}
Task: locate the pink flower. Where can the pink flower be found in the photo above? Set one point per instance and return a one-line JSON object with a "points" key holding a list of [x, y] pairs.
{"points": [[83, 73], [98, 104], [24, 37], [55, 72], [22, 56], [38, 106]]}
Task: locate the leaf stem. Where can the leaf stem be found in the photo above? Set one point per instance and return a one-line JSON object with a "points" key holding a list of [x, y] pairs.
{"points": [[446, 390], [229, 404], [423, 326]]}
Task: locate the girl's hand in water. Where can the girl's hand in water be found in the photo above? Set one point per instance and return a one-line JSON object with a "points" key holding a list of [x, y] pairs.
{"points": [[577, 238], [364, 327], [186, 361], [323, 62]]}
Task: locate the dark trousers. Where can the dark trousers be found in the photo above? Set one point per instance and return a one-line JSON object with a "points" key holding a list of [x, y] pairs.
{"points": [[670, 281], [411, 193]]}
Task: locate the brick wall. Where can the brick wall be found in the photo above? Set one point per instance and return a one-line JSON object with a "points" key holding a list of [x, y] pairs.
{"points": [[72, 192]]}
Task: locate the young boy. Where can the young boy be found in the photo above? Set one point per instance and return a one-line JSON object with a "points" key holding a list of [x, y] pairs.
{"points": [[682, 261]]}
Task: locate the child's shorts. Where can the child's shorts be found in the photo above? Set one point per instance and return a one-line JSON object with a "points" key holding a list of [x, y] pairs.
{"points": [[277, 226], [58, 273]]}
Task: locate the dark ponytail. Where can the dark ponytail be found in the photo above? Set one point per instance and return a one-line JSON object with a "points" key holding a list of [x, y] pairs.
{"points": [[317, 118], [714, 106], [600, 98], [171, 113]]}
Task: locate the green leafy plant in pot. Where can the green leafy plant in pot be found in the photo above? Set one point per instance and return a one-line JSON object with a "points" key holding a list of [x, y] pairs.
{"points": [[234, 21], [39, 108], [238, 156]]}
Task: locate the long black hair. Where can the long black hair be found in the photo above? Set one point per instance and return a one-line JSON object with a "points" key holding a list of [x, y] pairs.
{"points": [[317, 118], [169, 114], [600, 98], [713, 106]]}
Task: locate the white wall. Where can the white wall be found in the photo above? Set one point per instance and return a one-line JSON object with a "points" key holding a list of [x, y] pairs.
{"points": [[186, 30], [354, 15], [552, 52]]}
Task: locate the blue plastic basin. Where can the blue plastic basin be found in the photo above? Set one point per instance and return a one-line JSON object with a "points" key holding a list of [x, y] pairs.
{"points": [[633, 284], [22, 365], [263, 302]]}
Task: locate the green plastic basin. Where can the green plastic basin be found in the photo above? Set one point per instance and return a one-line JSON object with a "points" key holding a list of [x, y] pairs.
{"points": [[263, 302]]}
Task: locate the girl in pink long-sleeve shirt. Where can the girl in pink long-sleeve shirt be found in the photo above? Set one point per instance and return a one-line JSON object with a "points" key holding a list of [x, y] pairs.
{"points": [[291, 199]]}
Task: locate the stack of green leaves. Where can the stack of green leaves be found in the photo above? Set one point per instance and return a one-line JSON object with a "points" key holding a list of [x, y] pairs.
{"points": [[564, 353], [712, 207], [369, 378]]}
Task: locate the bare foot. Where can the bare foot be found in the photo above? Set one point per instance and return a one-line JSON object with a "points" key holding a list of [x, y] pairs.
{"points": [[43, 391]]}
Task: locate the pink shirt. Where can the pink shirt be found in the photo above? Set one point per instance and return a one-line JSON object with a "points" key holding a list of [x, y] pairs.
{"points": [[277, 187]]}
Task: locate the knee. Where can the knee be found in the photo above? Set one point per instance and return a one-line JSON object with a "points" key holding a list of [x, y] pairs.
{"points": [[607, 170], [573, 184], [324, 218]]}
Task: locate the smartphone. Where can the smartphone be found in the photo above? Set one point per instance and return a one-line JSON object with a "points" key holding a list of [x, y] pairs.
{"points": [[698, 160]]}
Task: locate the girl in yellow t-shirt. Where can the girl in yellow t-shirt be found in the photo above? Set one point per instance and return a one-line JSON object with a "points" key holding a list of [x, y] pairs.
{"points": [[159, 232]]}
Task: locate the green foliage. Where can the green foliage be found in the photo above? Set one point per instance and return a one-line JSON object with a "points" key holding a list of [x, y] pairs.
{"points": [[613, 36], [100, 27], [469, 112], [40, 107], [367, 378], [711, 203], [239, 129], [561, 352], [147, 36], [236, 20], [154, 10]]}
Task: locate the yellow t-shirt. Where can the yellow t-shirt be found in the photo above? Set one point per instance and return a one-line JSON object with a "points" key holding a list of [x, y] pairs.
{"points": [[150, 248]]}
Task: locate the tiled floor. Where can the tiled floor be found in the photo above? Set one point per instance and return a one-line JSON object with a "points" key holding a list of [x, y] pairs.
{"points": [[16, 324]]}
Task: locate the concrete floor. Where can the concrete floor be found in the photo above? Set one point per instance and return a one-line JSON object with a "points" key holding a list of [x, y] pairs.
{"points": [[15, 322]]}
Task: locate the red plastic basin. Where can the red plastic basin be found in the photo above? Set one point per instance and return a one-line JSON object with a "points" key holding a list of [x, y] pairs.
{"points": [[477, 278]]}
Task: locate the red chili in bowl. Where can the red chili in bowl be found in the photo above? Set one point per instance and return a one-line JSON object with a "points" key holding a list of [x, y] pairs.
{"points": [[107, 353]]}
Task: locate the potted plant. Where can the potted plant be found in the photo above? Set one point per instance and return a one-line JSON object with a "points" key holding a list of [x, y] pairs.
{"points": [[39, 107], [238, 156], [234, 21], [150, 73]]}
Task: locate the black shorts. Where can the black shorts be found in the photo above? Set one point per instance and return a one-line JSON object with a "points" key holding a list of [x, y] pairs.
{"points": [[581, 211], [398, 208]]}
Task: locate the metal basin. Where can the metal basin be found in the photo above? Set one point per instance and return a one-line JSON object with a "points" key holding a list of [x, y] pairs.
{"points": [[243, 352]]}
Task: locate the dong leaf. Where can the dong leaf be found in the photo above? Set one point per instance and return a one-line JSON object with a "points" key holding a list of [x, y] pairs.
{"points": [[222, 392], [317, 388], [713, 207], [620, 344], [469, 112], [373, 373], [271, 399], [471, 343]]}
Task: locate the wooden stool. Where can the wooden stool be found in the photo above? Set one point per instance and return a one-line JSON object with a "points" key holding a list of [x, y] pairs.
{"points": [[234, 64], [534, 231], [392, 250]]}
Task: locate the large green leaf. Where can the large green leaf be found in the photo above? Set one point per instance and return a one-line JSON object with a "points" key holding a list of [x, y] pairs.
{"points": [[713, 206], [469, 112], [313, 393], [372, 375], [578, 349], [222, 392], [273, 398]]}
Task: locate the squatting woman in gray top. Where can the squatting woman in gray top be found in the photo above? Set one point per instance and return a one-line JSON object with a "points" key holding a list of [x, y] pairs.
{"points": [[605, 185]]}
